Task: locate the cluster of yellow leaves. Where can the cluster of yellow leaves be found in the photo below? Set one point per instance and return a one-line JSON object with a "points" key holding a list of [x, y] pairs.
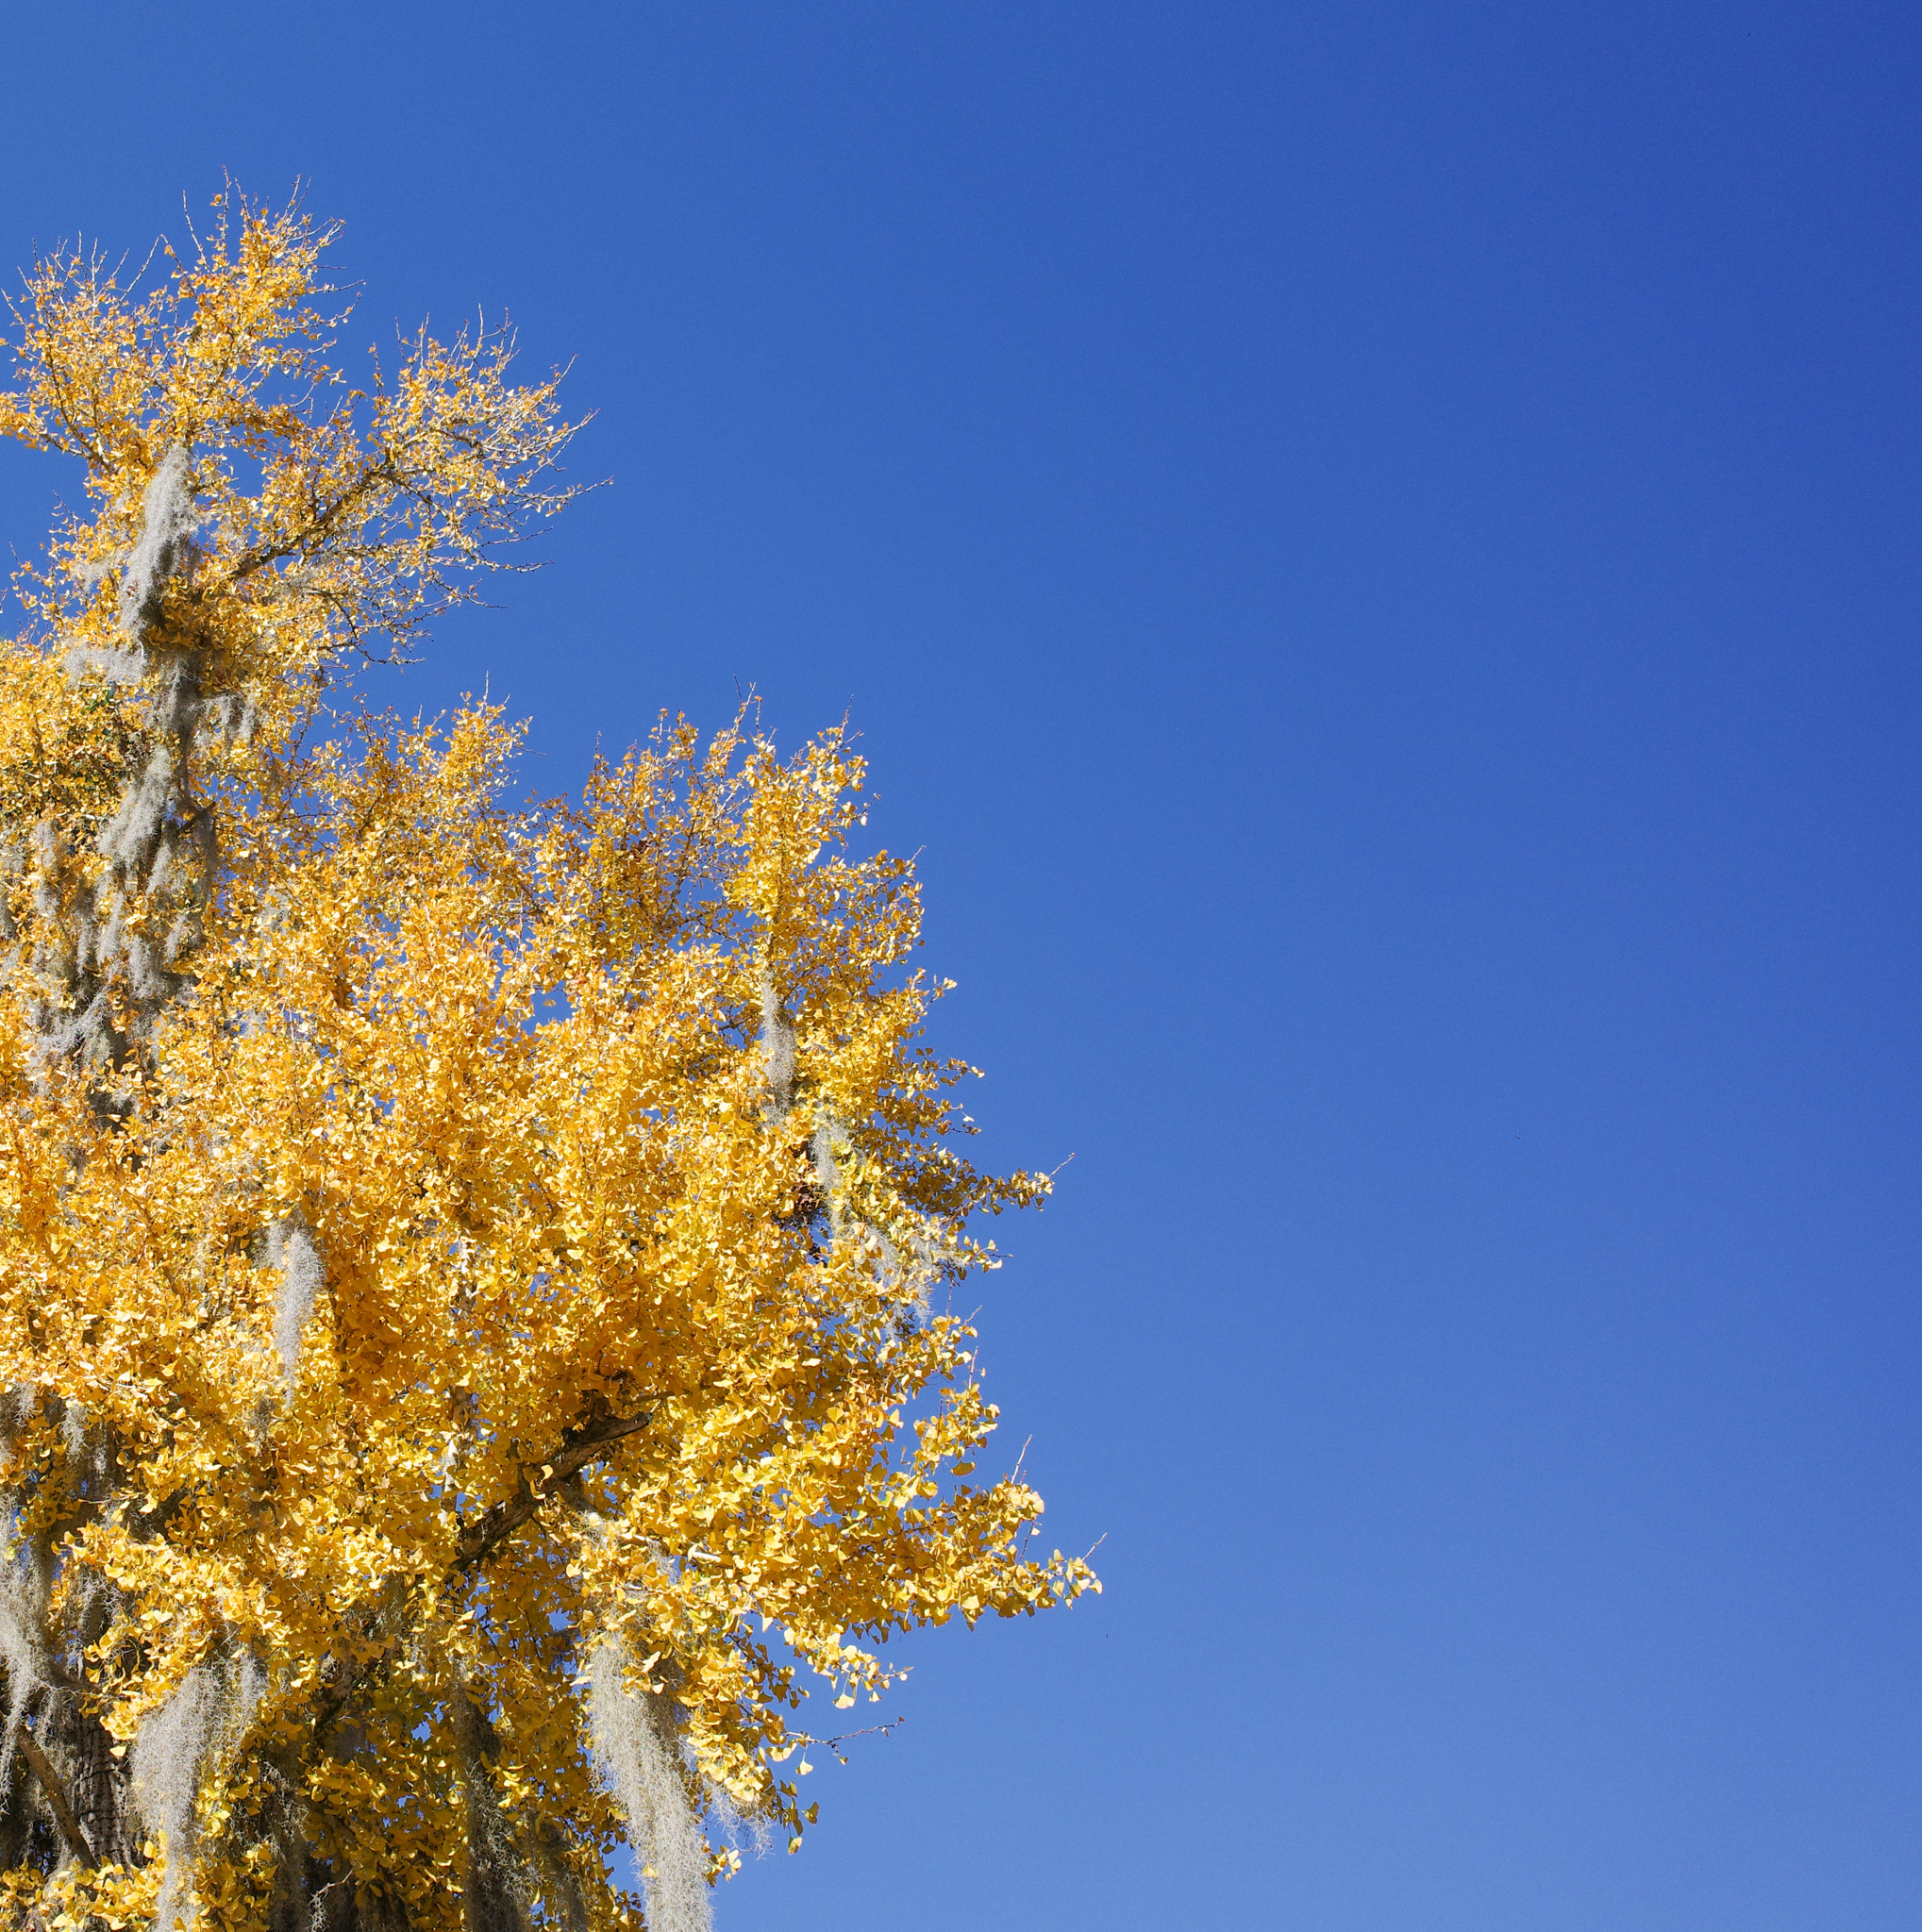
{"points": [[333, 515], [615, 1340]]}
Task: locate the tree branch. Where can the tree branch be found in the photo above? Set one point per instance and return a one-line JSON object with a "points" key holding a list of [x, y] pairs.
{"points": [[57, 1800], [584, 1443], [587, 1441]]}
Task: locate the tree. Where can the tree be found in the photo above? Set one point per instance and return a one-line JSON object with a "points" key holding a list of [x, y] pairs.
{"points": [[467, 1270]]}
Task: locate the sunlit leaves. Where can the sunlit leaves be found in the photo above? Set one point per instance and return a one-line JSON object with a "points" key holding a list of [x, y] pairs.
{"points": [[613, 1342]]}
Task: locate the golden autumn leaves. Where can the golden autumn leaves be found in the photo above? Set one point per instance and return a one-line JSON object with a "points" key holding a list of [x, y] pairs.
{"points": [[600, 1136]]}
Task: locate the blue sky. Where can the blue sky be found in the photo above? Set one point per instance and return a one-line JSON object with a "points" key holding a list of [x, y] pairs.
{"points": [[1374, 551]]}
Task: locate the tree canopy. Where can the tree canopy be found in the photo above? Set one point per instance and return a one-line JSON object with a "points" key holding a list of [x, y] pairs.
{"points": [[473, 1272]]}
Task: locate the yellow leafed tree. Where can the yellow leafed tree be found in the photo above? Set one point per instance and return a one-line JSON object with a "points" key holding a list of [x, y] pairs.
{"points": [[470, 1348]]}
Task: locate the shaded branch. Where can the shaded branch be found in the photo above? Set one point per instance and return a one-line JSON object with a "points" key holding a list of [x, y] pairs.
{"points": [[57, 1800], [584, 1443]]}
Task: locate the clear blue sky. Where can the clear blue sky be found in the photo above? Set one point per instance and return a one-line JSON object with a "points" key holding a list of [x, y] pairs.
{"points": [[1375, 553]]}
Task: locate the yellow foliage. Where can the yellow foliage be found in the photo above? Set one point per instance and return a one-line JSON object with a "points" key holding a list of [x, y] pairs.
{"points": [[438, 1236]]}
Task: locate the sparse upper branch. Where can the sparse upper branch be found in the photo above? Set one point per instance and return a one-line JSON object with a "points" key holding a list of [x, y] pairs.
{"points": [[329, 517]]}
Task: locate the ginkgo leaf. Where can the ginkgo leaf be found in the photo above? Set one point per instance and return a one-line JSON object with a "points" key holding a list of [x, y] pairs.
{"points": [[474, 1275]]}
